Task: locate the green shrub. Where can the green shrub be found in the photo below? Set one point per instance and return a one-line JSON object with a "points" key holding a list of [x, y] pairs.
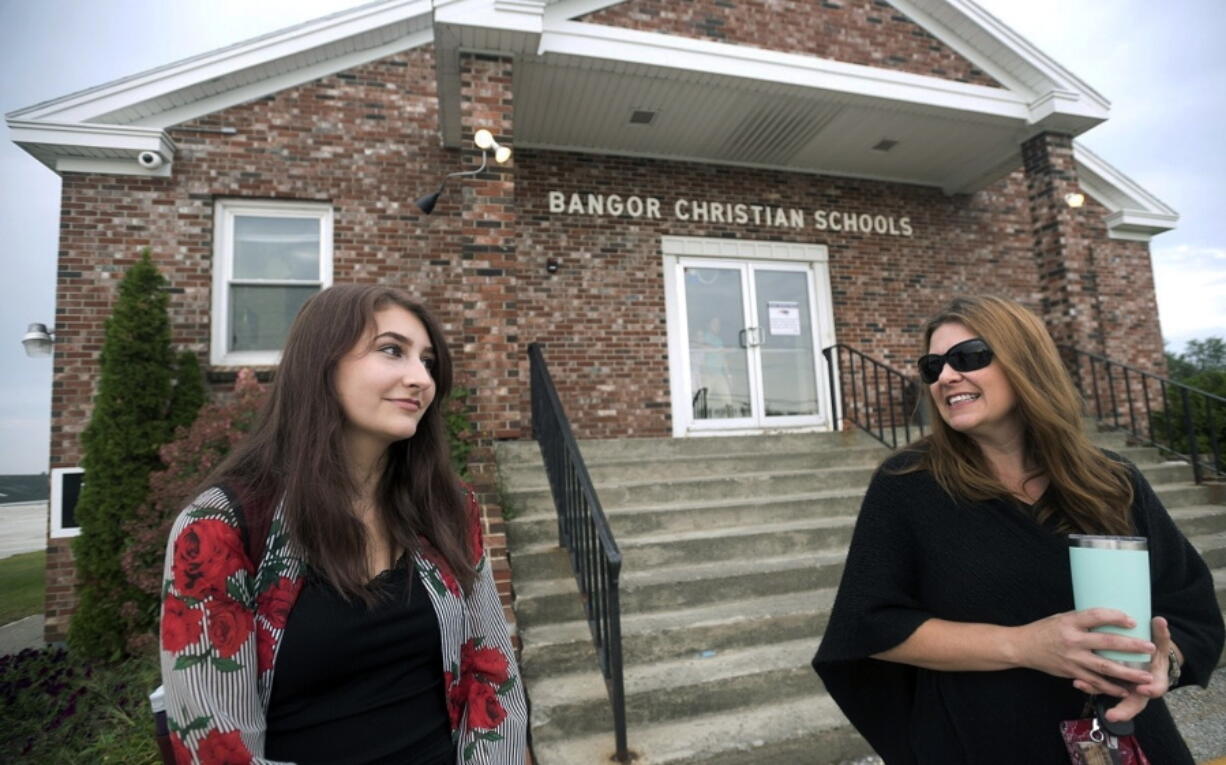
{"points": [[57, 708], [459, 429], [189, 458], [1207, 417], [120, 448], [188, 394]]}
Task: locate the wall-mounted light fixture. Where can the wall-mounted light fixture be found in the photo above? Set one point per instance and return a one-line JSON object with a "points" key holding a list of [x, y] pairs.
{"points": [[1075, 199], [38, 341], [552, 265], [484, 140]]}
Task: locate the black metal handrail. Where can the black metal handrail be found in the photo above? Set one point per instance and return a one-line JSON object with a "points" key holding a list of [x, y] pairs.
{"points": [[879, 407], [1175, 418], [584, 531]]}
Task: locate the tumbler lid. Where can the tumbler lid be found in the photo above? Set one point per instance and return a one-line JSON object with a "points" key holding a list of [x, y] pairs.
{"points": [[1108, 543]]}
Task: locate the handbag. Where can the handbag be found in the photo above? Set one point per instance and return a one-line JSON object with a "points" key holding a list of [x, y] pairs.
{"points": [[1095, 741]]}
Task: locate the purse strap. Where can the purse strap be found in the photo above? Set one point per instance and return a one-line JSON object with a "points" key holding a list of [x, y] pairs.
{"points": [[1118, 729]]}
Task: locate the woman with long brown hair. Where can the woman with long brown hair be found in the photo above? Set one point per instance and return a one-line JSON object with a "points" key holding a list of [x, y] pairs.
{"points": [[953, 637], [328, 597]]}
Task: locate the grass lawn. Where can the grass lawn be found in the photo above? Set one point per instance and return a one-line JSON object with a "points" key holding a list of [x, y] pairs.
{"points": [[21, 581]]}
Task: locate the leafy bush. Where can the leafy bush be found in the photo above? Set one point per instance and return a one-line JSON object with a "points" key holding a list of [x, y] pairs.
{"points": [[120, 448], [57, 708], [459, 429], [194, 453], [1207, 417]]}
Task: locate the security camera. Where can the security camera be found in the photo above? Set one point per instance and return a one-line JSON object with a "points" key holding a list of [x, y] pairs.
{"points": [[150, 160]]}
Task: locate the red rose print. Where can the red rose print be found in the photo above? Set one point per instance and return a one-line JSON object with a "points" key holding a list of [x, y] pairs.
{"points": [[484, 710], [206, 554], [180, 625], [229, 626], [182, 756], [485, 664], [433, 557], [457, 696], [263, 649], [276, 602], [219, 748], [476, 542]]}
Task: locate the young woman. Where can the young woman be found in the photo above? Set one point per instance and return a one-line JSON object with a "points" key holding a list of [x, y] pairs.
{"points": [[953, 637], [327, 597]]}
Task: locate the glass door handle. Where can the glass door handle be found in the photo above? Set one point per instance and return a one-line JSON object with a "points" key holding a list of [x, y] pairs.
{"points": [[740, 336], [750, 337]]}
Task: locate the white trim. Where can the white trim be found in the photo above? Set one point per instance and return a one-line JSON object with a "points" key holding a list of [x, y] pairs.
{"points": [[815, 256], [63, 165], [628, 46], [743, 249], [1108, 172], [285, 81], [56, 507], [568, 10], [224, 213], [1013, 44], [128, 91], [1135, 214]]}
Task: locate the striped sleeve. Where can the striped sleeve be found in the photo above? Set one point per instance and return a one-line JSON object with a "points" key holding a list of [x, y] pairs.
{"points": [[494, 728], [208, 639]]}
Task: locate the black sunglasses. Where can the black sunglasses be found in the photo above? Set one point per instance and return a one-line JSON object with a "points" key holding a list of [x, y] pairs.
{"points": [[966, 356]]}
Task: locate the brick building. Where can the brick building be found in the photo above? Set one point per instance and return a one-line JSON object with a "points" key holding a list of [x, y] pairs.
{"points": [[702, 196]]}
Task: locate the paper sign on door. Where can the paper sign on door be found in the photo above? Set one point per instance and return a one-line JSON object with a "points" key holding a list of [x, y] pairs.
{"points": [[784, 317]]}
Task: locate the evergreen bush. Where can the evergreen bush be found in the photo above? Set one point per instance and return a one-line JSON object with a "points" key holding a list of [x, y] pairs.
{"points": [[129, 423], [188, 394]]}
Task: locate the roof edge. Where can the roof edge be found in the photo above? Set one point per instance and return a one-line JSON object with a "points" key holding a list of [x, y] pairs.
{"points": [[91, 103]]}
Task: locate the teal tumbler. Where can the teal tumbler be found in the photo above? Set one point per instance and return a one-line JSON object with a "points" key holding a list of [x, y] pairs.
{"points": [[1113, 572]]}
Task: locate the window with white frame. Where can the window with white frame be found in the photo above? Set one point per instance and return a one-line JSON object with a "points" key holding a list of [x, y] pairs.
{"points": [[269, 257]]}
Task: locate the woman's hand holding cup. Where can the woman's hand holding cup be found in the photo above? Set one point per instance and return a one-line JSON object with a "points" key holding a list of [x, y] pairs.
{"points": [[1063, 645]]}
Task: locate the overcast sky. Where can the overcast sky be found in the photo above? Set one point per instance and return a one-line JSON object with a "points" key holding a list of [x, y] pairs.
{"points": [[1158, 63]]}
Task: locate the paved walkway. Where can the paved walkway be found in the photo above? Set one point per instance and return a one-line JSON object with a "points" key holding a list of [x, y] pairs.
{"points": [[23, 528], [25, 633]]}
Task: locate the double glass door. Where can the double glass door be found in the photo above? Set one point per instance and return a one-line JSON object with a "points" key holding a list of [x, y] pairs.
{"points": [[750, 344]]}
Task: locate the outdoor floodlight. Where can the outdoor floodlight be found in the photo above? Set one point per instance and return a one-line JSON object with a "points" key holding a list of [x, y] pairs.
{"points": [[38, 341], [1075, 199], [484, 141]]}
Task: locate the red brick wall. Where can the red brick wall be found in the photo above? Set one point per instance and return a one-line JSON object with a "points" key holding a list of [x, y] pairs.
{"points": [[868, 32]]}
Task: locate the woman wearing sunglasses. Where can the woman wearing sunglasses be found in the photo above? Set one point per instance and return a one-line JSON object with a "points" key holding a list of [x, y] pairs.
{"points": [[953, 637]]}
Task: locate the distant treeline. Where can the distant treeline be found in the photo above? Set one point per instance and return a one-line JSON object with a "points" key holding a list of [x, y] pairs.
{"points": [[23, 488]]}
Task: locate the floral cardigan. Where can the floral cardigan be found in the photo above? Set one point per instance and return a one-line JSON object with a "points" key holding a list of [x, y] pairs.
{"points": [[223, 618]]}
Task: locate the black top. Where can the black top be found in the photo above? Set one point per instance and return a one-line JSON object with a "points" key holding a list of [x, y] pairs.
{"points": [[359, 685], [917, 554]]}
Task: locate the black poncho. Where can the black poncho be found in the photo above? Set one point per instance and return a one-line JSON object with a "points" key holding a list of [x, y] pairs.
{"points": [[916, 554]]}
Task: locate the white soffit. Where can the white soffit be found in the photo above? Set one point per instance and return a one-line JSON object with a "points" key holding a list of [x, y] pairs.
{"points": [[1134, 213]]}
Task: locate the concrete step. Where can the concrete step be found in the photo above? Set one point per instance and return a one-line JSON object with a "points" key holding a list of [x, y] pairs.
{"points": [[649, 637], [600, 450], [576, 704], [803, 729], [686, 586], [744, 485], [649, 466], [760, 540], [1212, 547], [541, 525], [1198, 520]]}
